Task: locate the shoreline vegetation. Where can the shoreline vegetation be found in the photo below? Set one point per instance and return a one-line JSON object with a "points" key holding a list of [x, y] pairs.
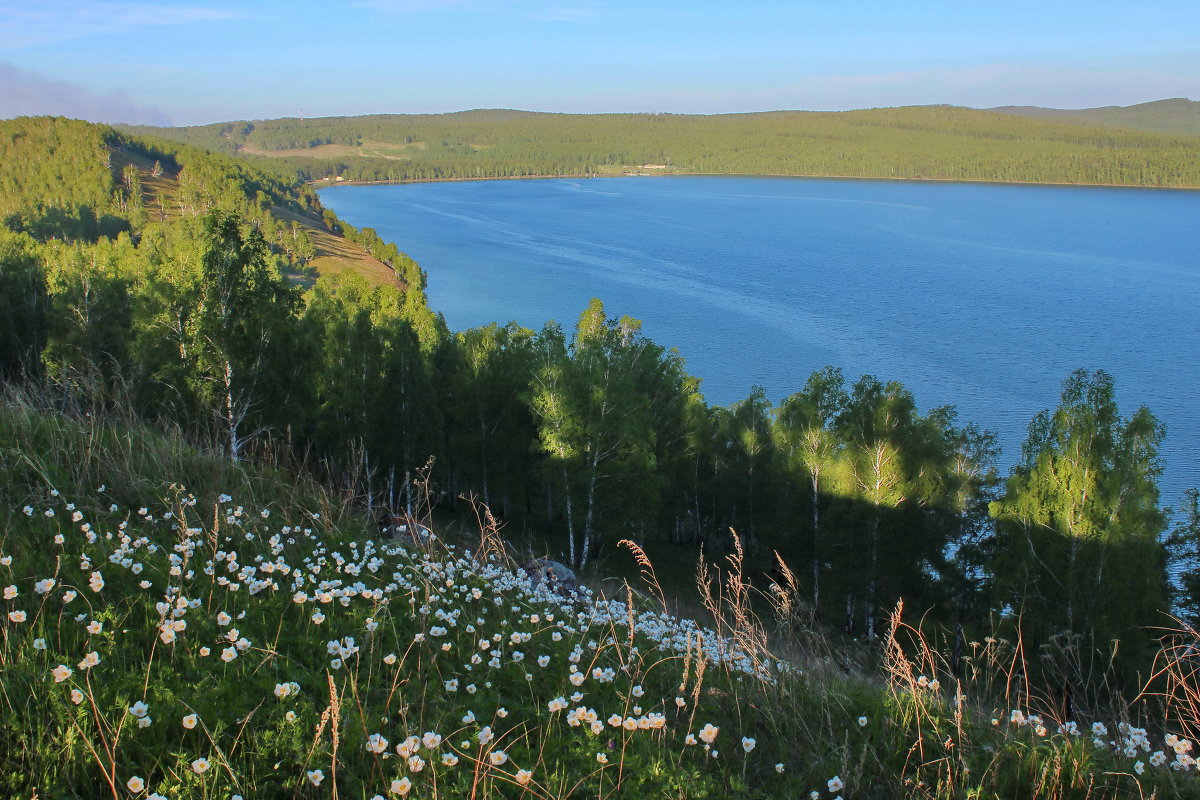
{"points": [[327, 183]]}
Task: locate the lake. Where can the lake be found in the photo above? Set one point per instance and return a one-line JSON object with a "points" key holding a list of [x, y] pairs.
{"points": [[983, 296]]}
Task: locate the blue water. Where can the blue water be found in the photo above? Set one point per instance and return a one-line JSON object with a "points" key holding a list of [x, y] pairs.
{"points": [[982, 296]]}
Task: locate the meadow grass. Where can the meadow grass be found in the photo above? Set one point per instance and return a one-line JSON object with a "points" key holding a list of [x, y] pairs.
{"points": [[172, 625]]}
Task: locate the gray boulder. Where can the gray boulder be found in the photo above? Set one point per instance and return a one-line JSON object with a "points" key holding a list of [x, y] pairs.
{"points": [[392, 526], [558, 577]]}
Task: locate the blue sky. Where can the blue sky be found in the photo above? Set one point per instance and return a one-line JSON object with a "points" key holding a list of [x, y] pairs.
{"points": [[207, 61]]}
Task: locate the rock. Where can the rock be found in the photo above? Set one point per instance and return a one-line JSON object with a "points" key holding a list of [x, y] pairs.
{"points": [[393, 525], [558, 577]]}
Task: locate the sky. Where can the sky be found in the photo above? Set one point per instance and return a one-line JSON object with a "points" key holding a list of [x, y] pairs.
{"points": [[183, 63]]}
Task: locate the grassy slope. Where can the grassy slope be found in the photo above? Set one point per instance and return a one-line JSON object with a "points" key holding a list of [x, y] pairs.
{"points": [[82, 475], [366, 149], [334, 253], [281, 698], [57, 167], [1177, 115]]}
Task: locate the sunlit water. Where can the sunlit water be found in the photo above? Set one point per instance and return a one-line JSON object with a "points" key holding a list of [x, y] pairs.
{"points": [[981, 296]]}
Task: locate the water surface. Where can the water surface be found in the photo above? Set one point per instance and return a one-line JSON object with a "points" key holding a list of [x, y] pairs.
{"points": [[979, 295]]}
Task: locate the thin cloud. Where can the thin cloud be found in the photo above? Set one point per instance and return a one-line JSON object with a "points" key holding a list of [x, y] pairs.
{"points": [[410, 6], [25, 93], [532, 11], [999, 84], [540, 14], [63, 20], [982, 86], [563, 14]]}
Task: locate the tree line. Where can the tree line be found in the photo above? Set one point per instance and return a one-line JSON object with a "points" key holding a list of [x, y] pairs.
{"points": [[589, 435]]}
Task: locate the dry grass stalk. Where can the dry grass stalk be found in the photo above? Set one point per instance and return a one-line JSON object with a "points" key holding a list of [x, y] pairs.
{"points": [[1175, 679], [785, 597], [912, 668], [748, 631], [647, 571], [335, 706], [491, 546]]}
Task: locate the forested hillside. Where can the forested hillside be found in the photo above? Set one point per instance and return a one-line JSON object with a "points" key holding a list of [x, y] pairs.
{"points": [[920, 142], [68, 180]]}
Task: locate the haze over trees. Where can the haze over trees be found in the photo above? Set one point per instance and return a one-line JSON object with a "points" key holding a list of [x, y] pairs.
{"points": [[579, 438], [1176, 115]]}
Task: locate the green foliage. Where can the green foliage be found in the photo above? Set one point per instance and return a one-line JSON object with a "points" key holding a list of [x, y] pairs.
{"points": [[89, 317], [813, 456], [607, 409], [187, 315], [237, 313], [22, 307], [234, 665], [486, 378], [56, 178], [1183, 543], [1077, 542], [374, 389]]}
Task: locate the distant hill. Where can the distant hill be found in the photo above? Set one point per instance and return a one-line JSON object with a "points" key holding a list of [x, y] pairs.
{"points": [[1177, 115], [71, 180], [913, 142]]}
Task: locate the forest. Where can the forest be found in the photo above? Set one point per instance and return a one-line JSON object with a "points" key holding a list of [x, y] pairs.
{"points": [[161, 322], [916, 142]]}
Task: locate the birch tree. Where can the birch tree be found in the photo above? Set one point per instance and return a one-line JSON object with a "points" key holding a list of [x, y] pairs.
{"points": [[552, 404], [235, 314], [594, 409], [807, 441], [1077, 530]]}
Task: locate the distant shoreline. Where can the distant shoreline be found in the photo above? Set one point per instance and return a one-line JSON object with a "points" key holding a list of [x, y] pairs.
{"points": [[325, 183]]}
